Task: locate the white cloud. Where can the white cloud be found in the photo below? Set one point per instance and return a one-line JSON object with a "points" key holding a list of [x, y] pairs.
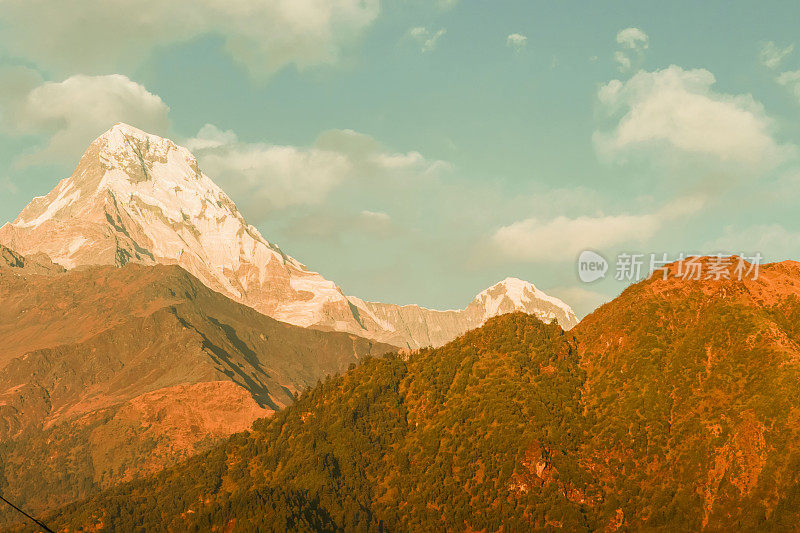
{"points": [[563, 238], [633, 38], [376, 223], [280, 176], [98, 36], [548, 202], [263, 177], [791, 80], [425, 38], [678, 108], [517, 41], [634, 42], [773, 241], [622, 60], [375, 217], [71, 113], [211, 136], [772, 55]]}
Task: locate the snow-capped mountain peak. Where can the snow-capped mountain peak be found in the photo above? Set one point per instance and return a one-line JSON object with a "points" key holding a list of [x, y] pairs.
{"points": [[514, 294], [156, 171], [137, 197], [514, 288], [120, 134]]}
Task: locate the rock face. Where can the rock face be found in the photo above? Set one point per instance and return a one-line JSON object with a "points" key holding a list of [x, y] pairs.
{"points": [[136, 197], [35, 264]]}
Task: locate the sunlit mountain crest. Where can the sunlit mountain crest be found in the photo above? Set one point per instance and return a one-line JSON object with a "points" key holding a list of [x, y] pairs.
{"points": [[137, 197]]}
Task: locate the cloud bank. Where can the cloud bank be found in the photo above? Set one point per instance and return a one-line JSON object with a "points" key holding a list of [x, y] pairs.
{"points": [[679, 109], [267, 177], [101, 36], [562, 238], [69, 114]]}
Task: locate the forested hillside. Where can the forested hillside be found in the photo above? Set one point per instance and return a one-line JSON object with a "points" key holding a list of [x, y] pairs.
{"points": [[480, 432], [676, 407]]}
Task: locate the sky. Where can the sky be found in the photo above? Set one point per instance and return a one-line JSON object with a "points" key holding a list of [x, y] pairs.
{"points": [[419, 151]]}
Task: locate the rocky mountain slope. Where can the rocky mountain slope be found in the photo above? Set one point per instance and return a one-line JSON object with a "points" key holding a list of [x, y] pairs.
{"points": [[110, 373], [35, 264], [675, 407], [136, 197]]}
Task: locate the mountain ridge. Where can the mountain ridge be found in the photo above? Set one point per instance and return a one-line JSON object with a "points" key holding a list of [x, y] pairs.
{"points": [[674, 407], [108, 373], [136, 197]]}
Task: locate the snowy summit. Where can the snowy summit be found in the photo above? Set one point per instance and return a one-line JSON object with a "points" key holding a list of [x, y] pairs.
{"points": [[137, 197]]}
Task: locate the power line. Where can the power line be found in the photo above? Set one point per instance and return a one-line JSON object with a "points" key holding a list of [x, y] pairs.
{"points": [[47, 529]]}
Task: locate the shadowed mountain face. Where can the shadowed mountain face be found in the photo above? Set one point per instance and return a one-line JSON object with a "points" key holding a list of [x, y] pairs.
{"points": [[110, 373], [676, 407], [34, 264]]}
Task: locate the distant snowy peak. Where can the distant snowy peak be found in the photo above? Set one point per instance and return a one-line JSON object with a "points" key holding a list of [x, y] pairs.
{"points": [[511, 290], [154, 169], [120, 161], [514, 294], [417, 327]]}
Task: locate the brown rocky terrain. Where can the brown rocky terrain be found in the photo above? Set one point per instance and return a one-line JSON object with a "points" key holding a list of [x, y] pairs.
{"points": [[33, 264], [109, 373]]}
